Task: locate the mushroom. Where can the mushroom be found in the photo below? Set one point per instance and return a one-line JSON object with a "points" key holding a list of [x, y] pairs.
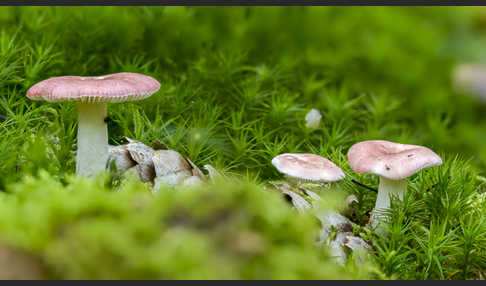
{"points": [[394, 163], [92, 94], [313, 118], [307, 167]]}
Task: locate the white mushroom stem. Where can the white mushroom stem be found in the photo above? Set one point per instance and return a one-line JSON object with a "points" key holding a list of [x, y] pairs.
{"points": [[386, 189], [92, 153]]}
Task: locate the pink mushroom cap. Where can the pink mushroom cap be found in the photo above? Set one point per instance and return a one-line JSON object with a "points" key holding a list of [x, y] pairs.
{"points": [[391, 160], [111, 88], [308, 167]]}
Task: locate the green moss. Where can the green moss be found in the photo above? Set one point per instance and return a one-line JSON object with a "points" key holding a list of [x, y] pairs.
{"points": [[236, 85], [83, 230]]}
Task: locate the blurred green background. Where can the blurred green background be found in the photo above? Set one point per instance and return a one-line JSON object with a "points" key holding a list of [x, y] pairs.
{"points": [[237, 81]]}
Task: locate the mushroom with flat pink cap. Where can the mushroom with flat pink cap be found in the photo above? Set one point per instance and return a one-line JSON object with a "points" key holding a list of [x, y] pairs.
{"points": [[307, 167], [394, 163], [92, 94]]}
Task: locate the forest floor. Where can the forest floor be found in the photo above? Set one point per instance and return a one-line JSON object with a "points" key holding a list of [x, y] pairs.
{"points": [[236, 84]]}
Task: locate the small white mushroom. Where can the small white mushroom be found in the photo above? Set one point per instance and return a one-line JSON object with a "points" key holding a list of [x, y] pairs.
{"points": [[313, 118]]}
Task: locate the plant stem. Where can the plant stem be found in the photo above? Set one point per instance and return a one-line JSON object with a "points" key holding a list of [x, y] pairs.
{"points": [[92, 151], [364, 186]]}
